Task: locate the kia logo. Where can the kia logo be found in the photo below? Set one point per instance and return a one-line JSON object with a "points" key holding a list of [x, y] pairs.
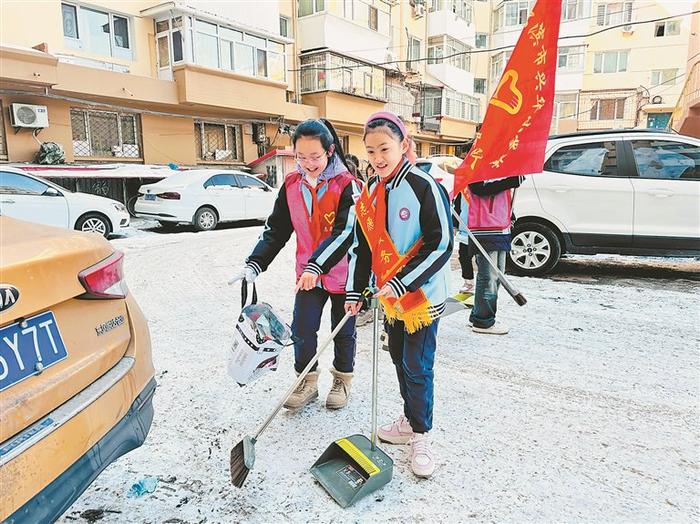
{"points": [[9, 295]]}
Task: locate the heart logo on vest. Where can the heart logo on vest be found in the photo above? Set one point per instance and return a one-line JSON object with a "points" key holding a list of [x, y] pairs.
{"points": [[510, 98], [404, 214], [330, 217]]}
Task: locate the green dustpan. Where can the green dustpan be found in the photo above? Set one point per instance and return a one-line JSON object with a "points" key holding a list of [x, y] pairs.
{"points": [[353, 467]]}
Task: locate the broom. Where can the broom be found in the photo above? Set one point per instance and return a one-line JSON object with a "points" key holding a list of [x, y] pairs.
{"points": [[243, 454]]}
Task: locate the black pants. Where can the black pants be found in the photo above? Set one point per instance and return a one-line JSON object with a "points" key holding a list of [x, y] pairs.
{"points": [[465, 261], [308, 308]]}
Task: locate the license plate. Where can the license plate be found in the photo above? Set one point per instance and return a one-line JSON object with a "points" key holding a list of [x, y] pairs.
{"points": [[29, 347], [150, 196]]}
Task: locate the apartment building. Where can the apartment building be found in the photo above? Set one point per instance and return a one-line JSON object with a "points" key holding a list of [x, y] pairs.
{"points": [[614, 69], [221, 83]]}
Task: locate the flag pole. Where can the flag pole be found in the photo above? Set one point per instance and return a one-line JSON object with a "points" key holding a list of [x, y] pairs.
{"points": [[510, 288]]}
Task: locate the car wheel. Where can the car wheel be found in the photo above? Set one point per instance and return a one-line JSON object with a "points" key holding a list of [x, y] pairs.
{"points": [[535, 249], [94, 223], [205, 219]]}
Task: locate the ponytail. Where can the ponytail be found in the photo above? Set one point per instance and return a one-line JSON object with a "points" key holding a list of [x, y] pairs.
{"points": [[338, 150]]}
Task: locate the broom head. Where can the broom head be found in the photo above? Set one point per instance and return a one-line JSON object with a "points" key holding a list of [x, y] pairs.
{"points": [[242, 460]]}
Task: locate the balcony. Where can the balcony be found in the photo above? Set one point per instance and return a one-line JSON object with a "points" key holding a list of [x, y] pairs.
{"points": [[453, 18], [326, 71], [340, 25], [198, 85], [27, 66]]}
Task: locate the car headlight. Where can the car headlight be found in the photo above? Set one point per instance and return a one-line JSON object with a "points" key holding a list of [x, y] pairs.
{"points": [[119, 207]]}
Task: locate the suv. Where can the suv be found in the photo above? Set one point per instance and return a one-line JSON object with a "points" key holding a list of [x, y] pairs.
{"points": [[629, 192]]}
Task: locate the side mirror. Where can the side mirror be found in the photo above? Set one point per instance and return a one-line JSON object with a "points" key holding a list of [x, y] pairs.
{"points": [[52, 192]]}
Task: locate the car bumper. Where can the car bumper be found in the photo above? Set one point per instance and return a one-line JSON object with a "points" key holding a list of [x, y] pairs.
{"points": [[79, 430], [129, 433], [167, 211]]}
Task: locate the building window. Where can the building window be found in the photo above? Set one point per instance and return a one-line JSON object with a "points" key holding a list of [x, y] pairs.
{"points": [[105, 134], [611, 62], [565, 108], [498, 63], [481, 40], [373, 18], [614, 14], [455, 52], [460, 105], [480, 85], [330, 71], [98, 32], [285, 27], [232, 50], [663, 77], [434, 149], [511, 13], [460, 8], [218, 143], [571, 10], [70, 21], [570, 58], [608, 109], [309, 7], [3, 142], [667, 28], [414, 47]]}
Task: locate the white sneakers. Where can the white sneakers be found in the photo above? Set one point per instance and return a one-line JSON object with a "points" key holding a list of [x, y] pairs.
{"points": [[422, 460], [496, 329], [421, 453], [398, 432]]}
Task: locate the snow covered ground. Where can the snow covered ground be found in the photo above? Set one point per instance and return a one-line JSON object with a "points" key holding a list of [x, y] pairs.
{"points": [[586, 411]]}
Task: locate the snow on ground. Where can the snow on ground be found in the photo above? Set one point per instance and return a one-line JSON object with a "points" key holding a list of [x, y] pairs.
{"points": [[586, 411]]}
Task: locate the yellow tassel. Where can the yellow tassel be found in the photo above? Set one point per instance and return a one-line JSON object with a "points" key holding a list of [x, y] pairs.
{"points": [[413, 320]]}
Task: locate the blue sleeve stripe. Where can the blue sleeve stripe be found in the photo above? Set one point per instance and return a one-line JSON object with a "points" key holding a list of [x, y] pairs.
{"points": [[352, 264], [445, 225]]}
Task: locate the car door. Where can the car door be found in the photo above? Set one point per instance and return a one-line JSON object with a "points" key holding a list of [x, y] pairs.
{"points": [[588, 191], [223, 191], [666, 192], [259, 198], [27, 198]]}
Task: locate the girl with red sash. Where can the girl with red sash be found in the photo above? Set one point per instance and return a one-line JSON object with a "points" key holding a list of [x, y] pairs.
{"points": [[403, 238], [316, 203]]}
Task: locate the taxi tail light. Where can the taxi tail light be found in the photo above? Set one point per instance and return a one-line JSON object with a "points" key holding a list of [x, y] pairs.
{"points": [[169, 195], [105, 279]]}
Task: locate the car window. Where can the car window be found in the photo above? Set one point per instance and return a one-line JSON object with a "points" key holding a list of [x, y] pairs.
{"points": [[221, 180], [666, 159], [16, 184], [592, 159], [249, 181]]}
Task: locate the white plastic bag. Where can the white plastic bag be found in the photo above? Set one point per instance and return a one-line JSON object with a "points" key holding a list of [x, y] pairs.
{"points": [[259, 337]]}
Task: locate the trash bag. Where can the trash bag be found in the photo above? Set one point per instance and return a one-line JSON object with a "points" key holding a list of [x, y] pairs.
{"points": [[50, 153], [260, 335]]}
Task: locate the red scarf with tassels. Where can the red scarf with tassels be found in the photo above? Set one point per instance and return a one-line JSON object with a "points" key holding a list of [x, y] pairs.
{"points": [[413, 307]]}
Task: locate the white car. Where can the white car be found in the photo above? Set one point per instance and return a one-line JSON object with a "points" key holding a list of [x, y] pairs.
{"points": [[33, 199], [205, 197], [629, 192]]}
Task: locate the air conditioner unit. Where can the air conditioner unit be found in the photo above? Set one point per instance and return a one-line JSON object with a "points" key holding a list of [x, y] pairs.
{"points": [[419, 10], [27, 115]]}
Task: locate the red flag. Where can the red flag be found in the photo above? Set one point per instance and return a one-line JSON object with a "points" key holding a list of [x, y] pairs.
{"points": [[514, 134]]}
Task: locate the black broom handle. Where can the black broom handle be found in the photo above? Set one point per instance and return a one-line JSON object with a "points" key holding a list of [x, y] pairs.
{"points": [[302, 375], [512, 290]]}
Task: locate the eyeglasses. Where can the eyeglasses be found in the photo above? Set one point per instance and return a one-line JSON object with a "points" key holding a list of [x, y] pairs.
{"points": [[315, 158]]}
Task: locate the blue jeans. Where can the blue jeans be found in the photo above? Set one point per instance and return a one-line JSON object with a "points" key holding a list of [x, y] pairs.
{"points": [[413, 356], [483, 313], [308, 308]]}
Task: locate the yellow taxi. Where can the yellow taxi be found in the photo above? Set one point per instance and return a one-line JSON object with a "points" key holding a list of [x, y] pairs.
{"points": [[76, 375]]}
